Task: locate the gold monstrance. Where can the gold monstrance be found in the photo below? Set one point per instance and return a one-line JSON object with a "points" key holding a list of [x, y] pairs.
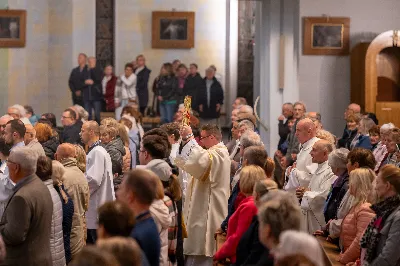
{"points": [[187, 103]]}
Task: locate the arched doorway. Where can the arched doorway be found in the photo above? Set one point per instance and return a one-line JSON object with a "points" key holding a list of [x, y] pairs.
{"points": [[382, 78]]}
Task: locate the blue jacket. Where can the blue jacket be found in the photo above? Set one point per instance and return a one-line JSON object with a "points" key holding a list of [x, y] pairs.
{"points": [[363, 142], [231, 206]]}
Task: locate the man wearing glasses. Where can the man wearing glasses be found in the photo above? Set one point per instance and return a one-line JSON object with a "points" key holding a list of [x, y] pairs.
{"points": [[208, 191], [72, 127]]}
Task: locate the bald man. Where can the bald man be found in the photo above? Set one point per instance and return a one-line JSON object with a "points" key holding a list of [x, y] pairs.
{"points": [[77, 187], [299, 174], [313, 196], [31, 140]]}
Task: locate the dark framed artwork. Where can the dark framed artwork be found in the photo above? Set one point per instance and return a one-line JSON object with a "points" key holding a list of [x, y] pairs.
{"points": [[172, 30], [12, 28], [326, 36]]}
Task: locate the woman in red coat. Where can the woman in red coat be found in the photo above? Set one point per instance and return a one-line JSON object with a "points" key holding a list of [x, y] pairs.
{"points": [[242, 217], [108, 85]]}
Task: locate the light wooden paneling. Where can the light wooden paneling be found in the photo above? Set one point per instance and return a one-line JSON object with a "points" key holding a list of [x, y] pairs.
{"points": [[388, 112]]}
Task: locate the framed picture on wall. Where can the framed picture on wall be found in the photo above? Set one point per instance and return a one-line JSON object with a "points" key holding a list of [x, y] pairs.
{"points": [[172, 30], [326, 36], [12, 28]]}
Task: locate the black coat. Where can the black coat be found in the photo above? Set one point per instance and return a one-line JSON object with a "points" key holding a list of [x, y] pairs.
{"points": [[283, 132], [50, 147], [70, 134], [347, 138], [194, 85], [76, 81], [339, 189], [142, 86], [94, 92], [216, 97], [167, 88], [250, 251]]}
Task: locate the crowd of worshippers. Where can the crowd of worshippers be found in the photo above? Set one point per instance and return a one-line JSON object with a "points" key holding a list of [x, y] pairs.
{"points": [[98, 89], [111, 194]]}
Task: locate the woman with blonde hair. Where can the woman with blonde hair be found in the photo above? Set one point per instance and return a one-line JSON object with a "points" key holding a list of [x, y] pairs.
{"points": [[127, 158], [67, 206], [241, 219], [80, 156], [380, 242], [249, 249], [359, 216]]}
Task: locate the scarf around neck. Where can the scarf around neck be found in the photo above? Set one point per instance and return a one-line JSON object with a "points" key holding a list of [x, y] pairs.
{"points": [[370, 239]]}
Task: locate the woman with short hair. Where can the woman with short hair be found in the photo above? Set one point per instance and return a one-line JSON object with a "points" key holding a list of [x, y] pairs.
{"points": [[362, 139], [381, 240], [391, 146]]}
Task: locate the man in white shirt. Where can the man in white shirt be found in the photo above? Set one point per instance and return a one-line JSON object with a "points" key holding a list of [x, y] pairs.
{"points": [[314, 196], [125, 91], [98, 174], [299, 174]]}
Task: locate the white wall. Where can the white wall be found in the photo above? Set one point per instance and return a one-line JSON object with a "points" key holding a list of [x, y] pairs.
{"points": [[325, 80]]}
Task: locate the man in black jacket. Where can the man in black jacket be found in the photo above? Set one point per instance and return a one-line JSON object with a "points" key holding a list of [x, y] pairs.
{"points": [[193, 84], [77, 80], [72, 127], [142, 75], [93, 93], [287, 112], [211, 99]]}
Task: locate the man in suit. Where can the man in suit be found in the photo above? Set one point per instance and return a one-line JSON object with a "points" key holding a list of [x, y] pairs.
{"points": [[142, 75], [26, 222], [77, 80], [211, 99]]}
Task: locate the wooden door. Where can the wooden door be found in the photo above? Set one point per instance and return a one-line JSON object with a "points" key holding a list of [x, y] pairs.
{"points": [[388, 112]]}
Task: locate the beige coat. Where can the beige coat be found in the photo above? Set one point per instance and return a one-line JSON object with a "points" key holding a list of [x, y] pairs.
{"points": [[206, 204], [77, 187]]}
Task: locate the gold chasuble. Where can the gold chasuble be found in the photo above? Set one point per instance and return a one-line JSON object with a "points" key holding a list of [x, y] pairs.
{"points": [[206, 203]]}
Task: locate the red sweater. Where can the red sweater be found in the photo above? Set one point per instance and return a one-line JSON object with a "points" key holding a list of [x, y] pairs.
{"points": [[237, 226]]}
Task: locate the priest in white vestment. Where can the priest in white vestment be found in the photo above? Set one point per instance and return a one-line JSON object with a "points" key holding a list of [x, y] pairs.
{"points": [[207, 194], [314, 196], [299, 174]]}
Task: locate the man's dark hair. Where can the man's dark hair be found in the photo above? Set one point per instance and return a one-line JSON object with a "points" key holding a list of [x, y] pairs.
{"points": [[143, 184], [29, 109], [156, 143], [255, 155], [44, 168], [116, 218], [4, 147], [214, 130], [195, 65], [172, 129], [45, 121], [17, 126], [363, 157], [52, 118], [130, 65], [71, 112]]}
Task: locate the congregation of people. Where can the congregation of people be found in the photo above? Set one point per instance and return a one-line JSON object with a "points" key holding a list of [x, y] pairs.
{"points": [[107, 192]]}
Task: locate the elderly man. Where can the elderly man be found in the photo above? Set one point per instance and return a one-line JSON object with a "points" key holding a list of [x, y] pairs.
{"points": [[17, 111], [299, 174], [246, 109], [239, 102], [3, 122], [77, 187], [32, 142], [316, 118], [210, 99], [76, 80], [352, 109], [208, 191], [287, 112], [98, 174], [26, 223], [314, 196], [234, 145]]}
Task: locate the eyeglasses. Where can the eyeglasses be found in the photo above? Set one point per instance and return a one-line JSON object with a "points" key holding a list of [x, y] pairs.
{"points": [[65, 117], [201, 138]]}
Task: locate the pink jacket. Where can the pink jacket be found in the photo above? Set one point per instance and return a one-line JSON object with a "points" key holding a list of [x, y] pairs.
{"points": [[353, 227]]}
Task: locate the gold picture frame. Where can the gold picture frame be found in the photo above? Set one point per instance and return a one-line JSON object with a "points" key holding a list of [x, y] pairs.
{"points": [[172, 30], [12, 28], [326, 36]]}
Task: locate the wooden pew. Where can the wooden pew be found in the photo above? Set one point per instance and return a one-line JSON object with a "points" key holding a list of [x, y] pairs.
{"points": [[331, 251]]}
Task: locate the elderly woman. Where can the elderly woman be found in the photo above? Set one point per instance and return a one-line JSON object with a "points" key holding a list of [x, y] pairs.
{"points": [[112, 143], [80, 156], [362, 139], [359, 216], [391, 146], [374, 136], [241, 219], [380, 152], [381, 240], [337, 160], [352, 121], [279, 206], [67, 206]]}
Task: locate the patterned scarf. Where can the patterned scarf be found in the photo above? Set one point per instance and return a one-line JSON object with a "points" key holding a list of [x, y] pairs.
{"points": [[371, 236]]}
